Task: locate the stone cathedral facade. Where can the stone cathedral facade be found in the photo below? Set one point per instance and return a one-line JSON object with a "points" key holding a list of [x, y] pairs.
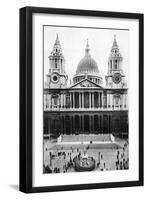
{"points": [[85, 107]]}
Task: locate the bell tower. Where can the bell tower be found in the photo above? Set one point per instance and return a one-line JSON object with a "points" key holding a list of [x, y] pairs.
{"points": [[115, 77], [57, 78]]}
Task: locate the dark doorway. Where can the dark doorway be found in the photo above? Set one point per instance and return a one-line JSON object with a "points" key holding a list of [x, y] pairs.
{"points": [[86, 123]]}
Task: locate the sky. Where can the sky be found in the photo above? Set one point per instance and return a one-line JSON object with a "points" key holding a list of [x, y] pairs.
{"points": [[73, 42]]}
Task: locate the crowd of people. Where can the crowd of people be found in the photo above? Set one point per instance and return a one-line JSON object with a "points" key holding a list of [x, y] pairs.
{"points": [[62, 160]]}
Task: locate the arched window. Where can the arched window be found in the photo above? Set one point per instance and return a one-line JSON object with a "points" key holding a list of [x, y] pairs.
{"points": [[55, 63], [61, 62], [86, 123], [68, 100], [115, 64], [110, 64], [55, 101], [116, 99]]}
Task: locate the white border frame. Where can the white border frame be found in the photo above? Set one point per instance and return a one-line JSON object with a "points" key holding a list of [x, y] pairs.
{"points": [[40, 179]]}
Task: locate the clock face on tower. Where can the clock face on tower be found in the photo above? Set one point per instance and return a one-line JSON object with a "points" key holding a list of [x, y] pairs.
{"points": [[54, 78], [116, 78]]}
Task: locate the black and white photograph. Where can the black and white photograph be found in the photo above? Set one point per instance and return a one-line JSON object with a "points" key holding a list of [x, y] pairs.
{"points": [[85, 99]]}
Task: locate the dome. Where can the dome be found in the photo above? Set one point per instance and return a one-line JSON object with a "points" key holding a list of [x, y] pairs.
{"points": [[87, 69], [87, 64]]}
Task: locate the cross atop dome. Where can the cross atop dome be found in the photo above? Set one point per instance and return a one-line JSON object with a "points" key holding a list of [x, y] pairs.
{"points": [[87, 49]]}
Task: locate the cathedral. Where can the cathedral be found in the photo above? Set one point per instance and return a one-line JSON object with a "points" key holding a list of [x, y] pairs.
{"points": [[85, 106]]}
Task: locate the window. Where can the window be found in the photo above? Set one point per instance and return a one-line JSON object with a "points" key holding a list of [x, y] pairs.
{"points": [[55, 78], [61, 62], [116, 101], [111, 64], [55, 101], [115, 64], [55, 63], [67, 101]]}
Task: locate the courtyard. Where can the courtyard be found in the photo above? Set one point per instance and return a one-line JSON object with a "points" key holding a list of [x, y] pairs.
{"points": [[107, 154]]}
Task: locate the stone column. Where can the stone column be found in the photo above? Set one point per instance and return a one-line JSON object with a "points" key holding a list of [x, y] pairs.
{"points": [[121, 102], [99, 99], [64, 100], [61, 100], [102, 96], [108, 100], [89, 99], [83, 99], [92, 100], [79, 100], [113, 101], [48, 101], [44, 105], [52, 102], [73, 100], [125, 100], [70, 100]]}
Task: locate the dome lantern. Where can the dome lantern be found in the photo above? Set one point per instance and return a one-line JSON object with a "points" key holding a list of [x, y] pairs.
{"points": [[87, 49]]}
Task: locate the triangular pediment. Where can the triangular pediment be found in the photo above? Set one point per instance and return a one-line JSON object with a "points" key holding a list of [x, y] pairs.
{"points": [[85, 83]]}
